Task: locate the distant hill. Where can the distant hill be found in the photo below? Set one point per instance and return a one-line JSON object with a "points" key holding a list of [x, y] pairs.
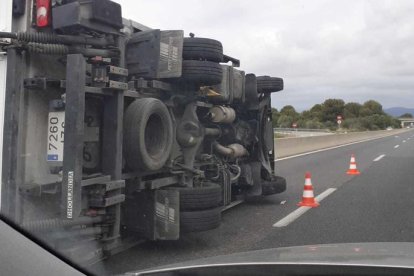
{"points": [[398, 111]]}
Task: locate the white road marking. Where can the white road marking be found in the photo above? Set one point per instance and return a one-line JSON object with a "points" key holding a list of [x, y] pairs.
{"points": [[283, 202], [301, 210], [291, 217], [330, 148], [379, 158], [325, 194], [404, 141], [396, 146]]}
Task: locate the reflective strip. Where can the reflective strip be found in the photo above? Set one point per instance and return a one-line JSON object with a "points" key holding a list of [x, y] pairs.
{"points": [[352, 167], [308, 194], [308, 182]]}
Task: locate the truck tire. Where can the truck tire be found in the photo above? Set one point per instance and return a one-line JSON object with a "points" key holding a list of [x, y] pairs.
{"points": [[201, 73], [266, 84], [199, 198], [148, 134], [197, 48], [196, 221], [276, 186]]}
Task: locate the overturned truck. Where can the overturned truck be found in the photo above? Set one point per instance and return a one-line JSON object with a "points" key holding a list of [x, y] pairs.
{"points": [[116, 132]]}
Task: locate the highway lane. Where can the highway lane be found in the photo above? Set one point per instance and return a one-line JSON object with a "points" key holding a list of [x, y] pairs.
{"points": [[374, 206]]}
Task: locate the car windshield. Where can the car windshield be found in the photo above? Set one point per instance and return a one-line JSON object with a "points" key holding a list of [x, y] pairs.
{"points": [[139, 134]]}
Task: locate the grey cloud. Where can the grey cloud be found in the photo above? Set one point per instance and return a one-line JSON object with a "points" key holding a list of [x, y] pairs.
{"points": [[351, 49]]}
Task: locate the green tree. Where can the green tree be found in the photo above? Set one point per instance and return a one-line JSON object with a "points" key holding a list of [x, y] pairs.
{"points": [[275, 117], [316, 112], [376, 122], [373, 107], [356, 117], [365, 112], [285, 121], [314, 124], [331, 125], [406, 115], [332, 108], [352, 110], [290, 111], [353, 124], [380, 121], [287, 116], [395, 123], [306, 115], [301, 123], [366, 123]]}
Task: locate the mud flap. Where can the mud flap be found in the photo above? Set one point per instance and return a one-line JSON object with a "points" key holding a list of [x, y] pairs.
{"points": [[154, 215], [256, 189]]}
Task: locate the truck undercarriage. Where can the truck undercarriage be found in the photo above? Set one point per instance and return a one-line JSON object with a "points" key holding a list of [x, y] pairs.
{"points": [[116, 132]]}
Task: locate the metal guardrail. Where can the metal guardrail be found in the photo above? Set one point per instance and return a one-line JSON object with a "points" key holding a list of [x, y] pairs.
{"points": [[302, 144], [278, 129], [300, 132]]}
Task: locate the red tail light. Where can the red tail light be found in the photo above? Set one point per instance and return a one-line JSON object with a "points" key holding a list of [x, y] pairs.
{"points": [[43, 13]]}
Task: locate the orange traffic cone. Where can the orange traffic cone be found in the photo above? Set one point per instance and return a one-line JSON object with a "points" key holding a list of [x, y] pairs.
{"points": [[353, 167], [308, 199]]}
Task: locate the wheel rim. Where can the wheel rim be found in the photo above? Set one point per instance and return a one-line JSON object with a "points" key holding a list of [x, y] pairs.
{"points": [[154, 136]]}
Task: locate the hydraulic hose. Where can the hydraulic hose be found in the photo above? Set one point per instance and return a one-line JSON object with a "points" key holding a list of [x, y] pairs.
{"points": [[213, 131], [233, 150], [222, 149], [235, 177]]}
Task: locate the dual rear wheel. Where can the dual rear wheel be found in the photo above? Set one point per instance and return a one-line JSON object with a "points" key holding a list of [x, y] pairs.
{"points": [[200, 207]]}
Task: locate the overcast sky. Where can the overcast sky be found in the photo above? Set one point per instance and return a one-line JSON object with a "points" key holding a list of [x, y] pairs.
{"points": [[354, 50]]}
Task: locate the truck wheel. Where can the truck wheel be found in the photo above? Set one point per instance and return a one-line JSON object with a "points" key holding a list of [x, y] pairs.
{"points": [[196, 221], [201, 72], [197, 48], [275, 186], [266, 84], [199, 198], [148, 134]]}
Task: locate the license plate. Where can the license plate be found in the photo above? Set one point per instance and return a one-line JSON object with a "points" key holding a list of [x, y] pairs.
{"points": [[55, 136]]}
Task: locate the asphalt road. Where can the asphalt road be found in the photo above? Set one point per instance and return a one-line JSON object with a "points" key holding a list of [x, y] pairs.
{"points": [[374, 206]]}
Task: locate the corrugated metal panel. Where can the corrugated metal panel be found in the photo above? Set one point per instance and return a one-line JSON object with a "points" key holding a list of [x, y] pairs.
{"points": [[5, 26]]}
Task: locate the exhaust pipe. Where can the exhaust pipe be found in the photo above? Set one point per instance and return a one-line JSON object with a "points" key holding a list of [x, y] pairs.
{"points": [[232, 150]]}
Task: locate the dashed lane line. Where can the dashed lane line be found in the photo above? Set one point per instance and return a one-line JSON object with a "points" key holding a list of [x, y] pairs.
{"points": [[301, 210], [379, 158], [396, 146]]}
